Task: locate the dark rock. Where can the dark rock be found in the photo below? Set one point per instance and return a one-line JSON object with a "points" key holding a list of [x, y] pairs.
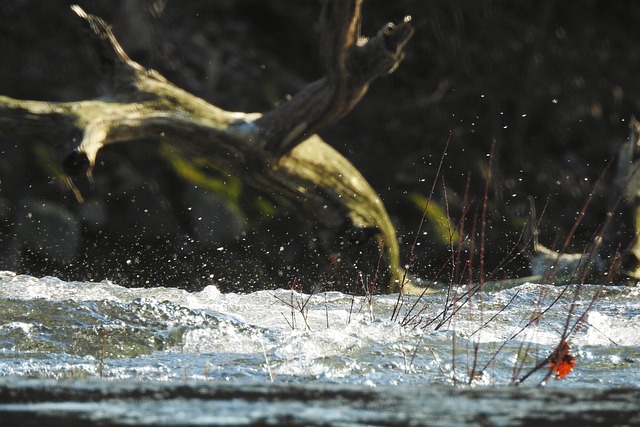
{"points": [[93, 214], [46, 229], [136, 204], [213, 221]]}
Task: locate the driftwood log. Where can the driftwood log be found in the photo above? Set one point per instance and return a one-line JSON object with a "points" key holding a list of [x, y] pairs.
{"points": [[276, 153]]}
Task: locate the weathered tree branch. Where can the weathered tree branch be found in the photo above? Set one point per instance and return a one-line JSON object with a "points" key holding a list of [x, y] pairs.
{"points": [[276, 153], [351, 63]]}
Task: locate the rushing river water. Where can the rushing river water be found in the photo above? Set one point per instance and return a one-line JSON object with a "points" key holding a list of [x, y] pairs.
{"points": [[106, 334]]}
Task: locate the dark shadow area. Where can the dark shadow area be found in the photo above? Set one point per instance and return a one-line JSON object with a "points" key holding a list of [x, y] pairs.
{"points": [[554, 85]]}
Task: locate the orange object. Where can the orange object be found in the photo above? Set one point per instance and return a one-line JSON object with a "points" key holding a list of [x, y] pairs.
{"points": [[561, 361]]}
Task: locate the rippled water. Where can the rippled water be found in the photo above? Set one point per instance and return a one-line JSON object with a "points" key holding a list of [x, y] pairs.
{"points": [[55, 329]]}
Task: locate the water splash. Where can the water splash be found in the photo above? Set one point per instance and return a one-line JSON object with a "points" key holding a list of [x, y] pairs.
{"points": [[58, 329]]}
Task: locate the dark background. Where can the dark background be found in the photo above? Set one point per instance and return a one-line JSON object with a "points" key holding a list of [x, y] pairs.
{"points": [[553, 83]]}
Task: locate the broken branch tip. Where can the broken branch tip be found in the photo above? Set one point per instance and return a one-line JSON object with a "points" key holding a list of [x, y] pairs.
{"points": [[79, 11]]}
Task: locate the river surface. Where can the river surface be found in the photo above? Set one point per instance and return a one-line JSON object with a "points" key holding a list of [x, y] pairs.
{"points": [[57, 332]]}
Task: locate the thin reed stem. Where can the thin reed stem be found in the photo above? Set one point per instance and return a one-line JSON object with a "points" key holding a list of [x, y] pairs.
{"points": [[394, 314]]}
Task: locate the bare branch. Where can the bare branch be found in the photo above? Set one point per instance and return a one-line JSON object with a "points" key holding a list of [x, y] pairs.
{"points": [[275, 153], [351, 64]]}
